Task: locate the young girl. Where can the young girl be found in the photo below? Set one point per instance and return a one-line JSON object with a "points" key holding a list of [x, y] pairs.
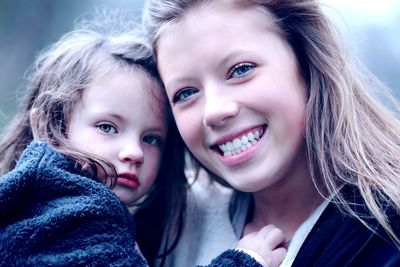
{"points": [[277, 110], [95, 109], [95, 115]]}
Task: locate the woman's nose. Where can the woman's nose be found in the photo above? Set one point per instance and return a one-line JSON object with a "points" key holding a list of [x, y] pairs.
{"points": [[132, 153], [219, 109]]}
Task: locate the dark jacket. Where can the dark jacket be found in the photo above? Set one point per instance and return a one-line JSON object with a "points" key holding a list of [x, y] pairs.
{"points": [[338, 239], [50, 215]]}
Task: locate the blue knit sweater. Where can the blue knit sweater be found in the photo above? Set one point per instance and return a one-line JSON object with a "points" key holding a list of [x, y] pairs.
{"points": [[52, 216]]}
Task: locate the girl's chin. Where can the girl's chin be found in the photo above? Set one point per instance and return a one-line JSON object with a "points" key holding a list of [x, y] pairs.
{"points": [[127, 200], [125, 195]]}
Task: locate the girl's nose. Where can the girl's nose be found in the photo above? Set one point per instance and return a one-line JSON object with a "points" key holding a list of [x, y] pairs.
{"points": [[132, 153], [219, 109]]}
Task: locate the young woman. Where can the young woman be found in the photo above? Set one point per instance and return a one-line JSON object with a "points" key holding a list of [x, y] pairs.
{"points": [[266, 100]]}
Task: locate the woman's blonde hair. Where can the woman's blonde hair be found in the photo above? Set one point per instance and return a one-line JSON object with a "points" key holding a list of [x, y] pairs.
{"points": [[351, 137]]}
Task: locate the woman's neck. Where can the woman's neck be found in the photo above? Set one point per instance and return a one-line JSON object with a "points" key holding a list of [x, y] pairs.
{"points": [[287, 204]]}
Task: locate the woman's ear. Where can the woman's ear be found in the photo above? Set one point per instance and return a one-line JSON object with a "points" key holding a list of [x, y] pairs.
{"points": [[36, 123]]}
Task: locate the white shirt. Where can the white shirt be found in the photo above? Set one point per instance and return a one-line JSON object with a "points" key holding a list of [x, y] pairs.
{"points": [[207, 230]]}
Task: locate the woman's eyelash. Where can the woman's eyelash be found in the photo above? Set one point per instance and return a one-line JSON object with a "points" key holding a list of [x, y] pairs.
{"points": [[240, 70], [184, 94]]}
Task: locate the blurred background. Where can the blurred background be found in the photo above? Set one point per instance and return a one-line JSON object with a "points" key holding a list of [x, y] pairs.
{"points": [[372, 30]]}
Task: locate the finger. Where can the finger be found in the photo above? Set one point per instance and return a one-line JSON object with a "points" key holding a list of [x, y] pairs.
{"points": [[265, 230], [275, 238], [249, 236], [247, 240], [277, 256]]}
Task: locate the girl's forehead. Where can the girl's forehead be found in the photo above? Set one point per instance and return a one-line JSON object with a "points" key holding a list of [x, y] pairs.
{"points": [[133, 80], [128, 92]]}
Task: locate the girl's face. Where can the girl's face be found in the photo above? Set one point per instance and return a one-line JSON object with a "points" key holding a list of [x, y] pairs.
{"points": [[120, 120], [236, 93]]}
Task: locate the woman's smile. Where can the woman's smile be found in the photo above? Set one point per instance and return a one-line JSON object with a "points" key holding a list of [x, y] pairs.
{"points": [[237, 150]]}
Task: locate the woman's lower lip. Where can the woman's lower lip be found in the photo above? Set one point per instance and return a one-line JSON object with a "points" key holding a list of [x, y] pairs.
{"points": [[243, 156], [128, 183]]}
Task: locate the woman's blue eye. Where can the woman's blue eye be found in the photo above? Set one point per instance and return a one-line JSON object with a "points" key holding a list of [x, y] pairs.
{"points": [[240, 70], [107, 128], [184, 94], [152, 140]]}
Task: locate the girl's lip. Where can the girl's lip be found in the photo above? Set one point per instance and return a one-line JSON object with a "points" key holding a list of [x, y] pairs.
{"points": [[129, 180]]}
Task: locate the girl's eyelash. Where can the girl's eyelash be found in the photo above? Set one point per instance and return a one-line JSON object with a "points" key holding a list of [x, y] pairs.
{"points": [[107, 127], [245, 68], [153, 140]]}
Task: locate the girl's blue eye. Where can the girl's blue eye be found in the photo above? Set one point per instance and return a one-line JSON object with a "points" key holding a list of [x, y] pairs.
{"points": [[152, 140], [107, 128], [184, 94], [240, 70]]}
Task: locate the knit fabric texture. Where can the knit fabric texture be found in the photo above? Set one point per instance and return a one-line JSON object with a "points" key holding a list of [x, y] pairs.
{"points": [[234, 258], [50, 215]]}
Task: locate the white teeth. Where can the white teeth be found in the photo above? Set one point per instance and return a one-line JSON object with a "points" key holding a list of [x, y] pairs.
{"points": [[227, 153], [241, 144], [229, 146], [250, 136], [237, 143], [223, 148]]}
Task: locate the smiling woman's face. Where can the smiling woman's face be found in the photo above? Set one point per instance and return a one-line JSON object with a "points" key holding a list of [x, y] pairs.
{"points": [[236, 93]]}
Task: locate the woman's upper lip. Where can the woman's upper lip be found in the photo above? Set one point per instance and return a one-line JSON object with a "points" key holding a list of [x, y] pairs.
{"points": [[129, 176], [230, 137]]}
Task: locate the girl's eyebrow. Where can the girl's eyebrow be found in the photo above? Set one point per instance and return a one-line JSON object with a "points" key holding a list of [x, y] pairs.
{"points": [[107, 113], [160, 130], [99, 115]]}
